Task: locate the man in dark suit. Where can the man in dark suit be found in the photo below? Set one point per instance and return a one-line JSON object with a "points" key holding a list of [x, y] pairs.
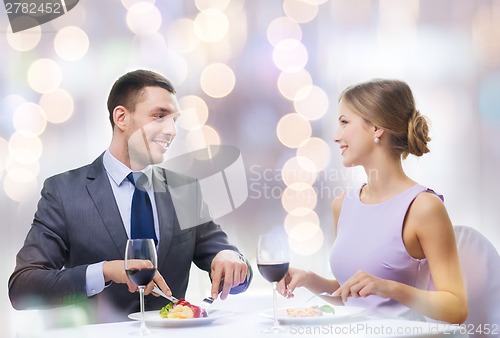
{"points": [[75, 248]]}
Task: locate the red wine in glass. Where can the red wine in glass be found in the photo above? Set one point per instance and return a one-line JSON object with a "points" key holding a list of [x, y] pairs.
{"points": [[273, 272], [141, 277], [273, 261]]}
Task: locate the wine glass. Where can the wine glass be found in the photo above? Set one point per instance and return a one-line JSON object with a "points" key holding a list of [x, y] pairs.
{"points": [[140, 266], [273, 261]]}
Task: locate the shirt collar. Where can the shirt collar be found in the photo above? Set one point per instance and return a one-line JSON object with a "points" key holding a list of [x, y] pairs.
{"points": [[119, 171]]}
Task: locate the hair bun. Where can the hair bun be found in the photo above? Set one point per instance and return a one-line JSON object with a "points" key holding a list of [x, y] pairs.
{"points": [[418, 135]]}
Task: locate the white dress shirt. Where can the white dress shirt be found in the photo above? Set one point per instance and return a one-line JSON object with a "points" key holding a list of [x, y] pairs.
{"points": [[123, 191]]}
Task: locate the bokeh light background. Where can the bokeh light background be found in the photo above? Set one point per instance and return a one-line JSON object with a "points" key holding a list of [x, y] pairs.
{"points": [[264, 76]]}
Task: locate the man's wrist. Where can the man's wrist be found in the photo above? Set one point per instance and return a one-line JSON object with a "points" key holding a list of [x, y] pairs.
{"points": [[246, 283]]}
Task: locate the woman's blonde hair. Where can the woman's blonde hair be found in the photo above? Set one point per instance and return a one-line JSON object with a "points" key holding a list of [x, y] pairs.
{"points": [[389, 104]]}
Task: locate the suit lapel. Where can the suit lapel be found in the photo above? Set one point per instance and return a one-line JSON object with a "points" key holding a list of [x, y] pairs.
{"points": [[166, 213], [101, 193]]}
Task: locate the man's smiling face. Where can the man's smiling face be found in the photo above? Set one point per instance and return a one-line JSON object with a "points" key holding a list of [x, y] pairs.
{"points": [[151, 126]]}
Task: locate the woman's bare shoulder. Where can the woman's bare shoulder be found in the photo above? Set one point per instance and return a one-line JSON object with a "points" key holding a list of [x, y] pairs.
{"points": [[426, 204], [429, 213]]}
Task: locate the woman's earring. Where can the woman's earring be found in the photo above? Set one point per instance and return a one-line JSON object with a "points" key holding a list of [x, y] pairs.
{"points": [[376, 140]]}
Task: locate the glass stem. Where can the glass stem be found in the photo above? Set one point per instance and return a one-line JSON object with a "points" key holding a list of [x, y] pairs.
{"points": [[143, 322], [275, 305]]}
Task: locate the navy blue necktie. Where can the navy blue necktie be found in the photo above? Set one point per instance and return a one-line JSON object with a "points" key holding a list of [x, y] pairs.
{"points": [[141, 219]]}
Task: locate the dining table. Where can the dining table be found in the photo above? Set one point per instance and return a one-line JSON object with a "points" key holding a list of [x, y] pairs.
{"points": [[249, 315]]}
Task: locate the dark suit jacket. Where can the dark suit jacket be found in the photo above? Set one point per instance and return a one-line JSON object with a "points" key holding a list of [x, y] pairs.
{"points": [[78, 223]]}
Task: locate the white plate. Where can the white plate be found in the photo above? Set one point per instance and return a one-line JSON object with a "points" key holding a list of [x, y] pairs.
{"points": [[153, 318], [341, 313]]}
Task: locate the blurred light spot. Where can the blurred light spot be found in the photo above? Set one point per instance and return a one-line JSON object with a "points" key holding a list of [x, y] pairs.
{"points": [[217, 80], [303, 231], [289, 83], [57, 105], [283, 28], [298, 195], [486, 34], [311, 102], [290, 55], [144, 18], [71, 43], [207, 134], [181, 36], [25, 40], [211, 25], [292, 173], [20, 191], [293, 129], [130, 3], [300, 11], [44, 75], [315, 150], [17, 170], [298, 217], [194, 112], [208, 4], [25, 148], [29, 117], [311, 241], [211, 135]]}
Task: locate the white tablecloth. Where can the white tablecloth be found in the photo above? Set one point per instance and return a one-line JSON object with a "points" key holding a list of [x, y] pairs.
{"points": [[245, 321]]}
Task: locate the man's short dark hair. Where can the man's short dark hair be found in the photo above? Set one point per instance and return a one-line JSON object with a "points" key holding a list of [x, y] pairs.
{"points": [[127, 89]]}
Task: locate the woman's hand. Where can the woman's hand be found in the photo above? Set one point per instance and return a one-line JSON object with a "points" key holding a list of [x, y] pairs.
{"points": [[294, 278], [363, 284]]}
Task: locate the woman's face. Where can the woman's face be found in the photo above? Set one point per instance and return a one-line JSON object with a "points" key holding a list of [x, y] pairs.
{"points": [[354, 136]]}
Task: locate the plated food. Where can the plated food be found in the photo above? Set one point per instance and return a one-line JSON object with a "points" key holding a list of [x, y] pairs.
{"points": [[182, 309], [310, 311], [304, 315]]}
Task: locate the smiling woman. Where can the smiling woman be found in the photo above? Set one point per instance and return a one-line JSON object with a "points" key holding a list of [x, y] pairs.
{"points": [[395, 233]]}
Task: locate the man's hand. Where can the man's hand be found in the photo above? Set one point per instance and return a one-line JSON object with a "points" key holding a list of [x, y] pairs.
{"points": [[115, 271], [227, 266]]}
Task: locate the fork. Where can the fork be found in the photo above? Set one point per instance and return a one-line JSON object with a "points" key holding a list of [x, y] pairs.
{"points": [[157, 290], [330, 298], [205, 303]]}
